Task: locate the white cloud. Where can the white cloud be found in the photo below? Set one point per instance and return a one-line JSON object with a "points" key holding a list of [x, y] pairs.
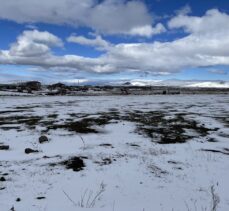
{"points": [[184, 10], [213, 22], [34, 43], [206, 45], [98, 41], [148, 30], [108, 16]]}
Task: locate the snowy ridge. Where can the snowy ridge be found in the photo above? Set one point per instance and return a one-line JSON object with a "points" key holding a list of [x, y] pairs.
{"points": [[181, 83]]}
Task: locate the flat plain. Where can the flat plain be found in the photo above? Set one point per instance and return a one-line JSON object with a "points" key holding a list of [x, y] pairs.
{"points": [[114, 153]]}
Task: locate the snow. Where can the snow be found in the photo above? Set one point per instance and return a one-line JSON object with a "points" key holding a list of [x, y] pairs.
{"points": [[13, 93], [178, 83], [210, 85], [143, 175]]}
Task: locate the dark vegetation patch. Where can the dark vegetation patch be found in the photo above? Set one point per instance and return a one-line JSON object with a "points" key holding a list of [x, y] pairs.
{"points": [[224, 120], [18, 128], [133, 145], [160, 126], [40, 197], [225, 151], [29, 121], [189, 106], [48, 157], [178, 168], [82, 126], [27, 107], [213, 140], [113, 110], [12, 111], [156, 126], [74, 163], [52, 116], [4, 147], [78, 115], [172, 162], [158, 172], [104, 161], [224, 134], [106, 145], [176, 164]]}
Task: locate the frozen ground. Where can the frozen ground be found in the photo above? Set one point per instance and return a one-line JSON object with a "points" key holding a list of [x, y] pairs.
{"points": [[131, 153]]}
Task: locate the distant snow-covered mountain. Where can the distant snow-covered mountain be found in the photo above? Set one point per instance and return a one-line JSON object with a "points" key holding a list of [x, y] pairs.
{"points": [[180, 83], [210, 84]]}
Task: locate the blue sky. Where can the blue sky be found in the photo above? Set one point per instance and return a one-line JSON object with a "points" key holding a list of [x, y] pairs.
{"points": [[69, 40]]}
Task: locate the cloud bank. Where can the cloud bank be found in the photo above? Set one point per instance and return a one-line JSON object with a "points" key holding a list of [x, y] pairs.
{"points": [[206, 44], [108, 16]]}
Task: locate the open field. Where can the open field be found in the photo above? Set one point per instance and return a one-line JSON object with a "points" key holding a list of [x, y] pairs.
{"points": [[114, 153]]}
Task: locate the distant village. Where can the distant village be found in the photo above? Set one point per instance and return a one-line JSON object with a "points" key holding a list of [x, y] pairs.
{"points": [[36, 88]]}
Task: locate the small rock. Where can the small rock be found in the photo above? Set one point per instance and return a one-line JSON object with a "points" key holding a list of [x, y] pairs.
{"points": [[18, 199], [43, 139], [2, 179], [28, 151], [40, 197]]}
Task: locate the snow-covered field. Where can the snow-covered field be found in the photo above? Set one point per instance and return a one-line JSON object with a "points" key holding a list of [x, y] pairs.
{"points": [[128, 152]]}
